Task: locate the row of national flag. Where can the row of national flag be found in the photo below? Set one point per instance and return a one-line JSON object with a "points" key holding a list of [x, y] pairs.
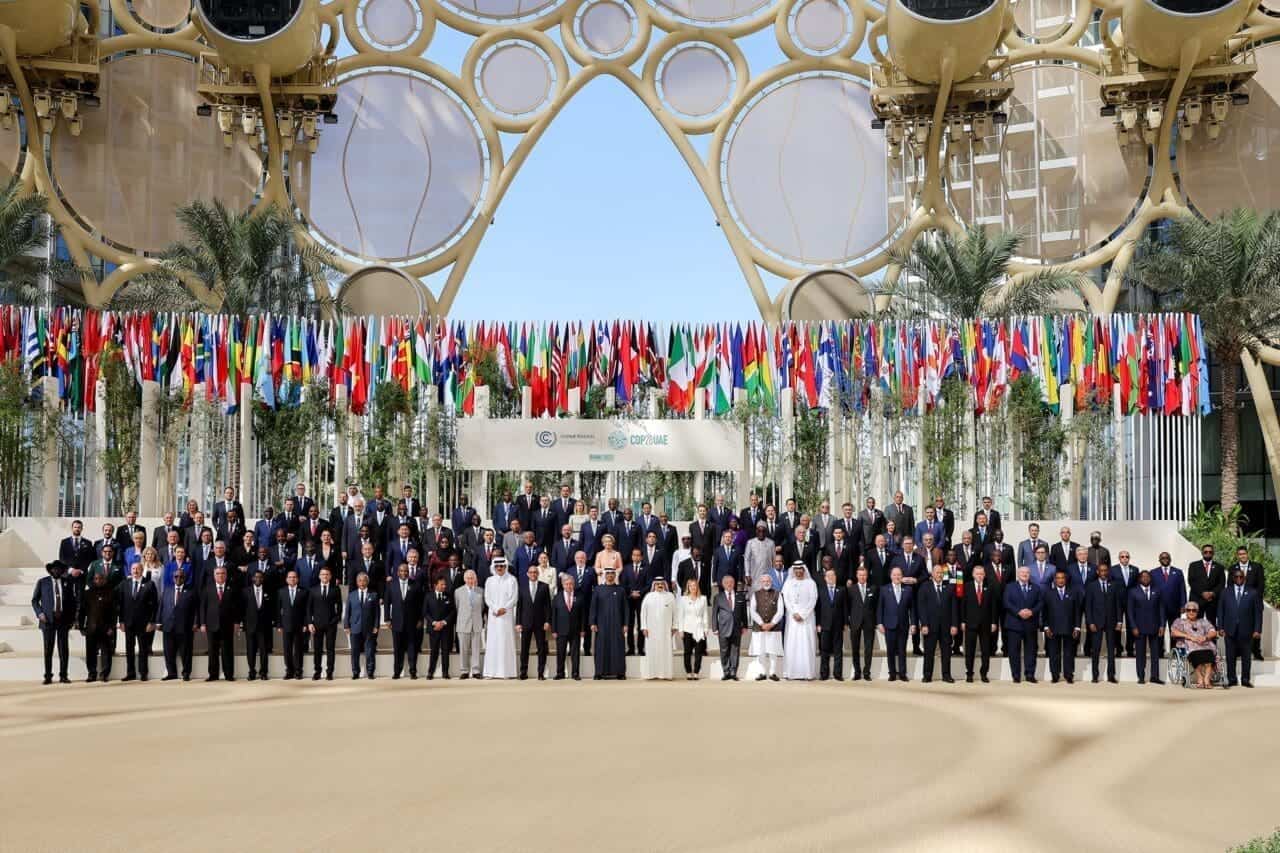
{"points": [[1154, 363]]}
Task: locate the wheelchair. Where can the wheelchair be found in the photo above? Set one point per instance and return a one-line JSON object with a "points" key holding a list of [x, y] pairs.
{"points": [[1179, 673]]}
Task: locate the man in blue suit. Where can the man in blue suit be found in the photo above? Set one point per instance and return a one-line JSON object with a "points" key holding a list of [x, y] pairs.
{"points": [[562, 507], [1146, 624], [584, 578], [1104, 607], [1062, 627], [527, 553], [361, 623], [590, 534], [563, 549], [461, 517], [726, 560], [1171, 583], [1023, 604], [895, 619], [1040, 569], [503, 512], [176, 620], [1240, 620]]}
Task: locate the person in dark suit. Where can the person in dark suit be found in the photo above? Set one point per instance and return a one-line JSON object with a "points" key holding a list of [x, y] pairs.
{"points": [[563, 549], [1146, 623], [997, 543], [503, 512], [1061, 617], [1105, 602], [562, 506], [895, 619], [568, 623], [527, 554], [832, 612], [96, 619], [302, 502], [696, 568], [177, 614], [844, 559], [999, 574], [403, 616], [311, 526], [1240, 621], [872, 523], [703, 533], [935, 601], [360, 622], [726, 560], [216, 618], [1023, 604], [1171, 583], [880, 561], [527, 503], [591, 533], [126, 529], [76, 550], [324, 612], [258, 612], [863, 601], [223, 508], [439, 614], [292, 624], [981, 532], [729, 620], [533, 620], [948, 519], [137, 602], [626, 533], [636, 580], [993, 514], [978, 620], [1255, 579], [1064, 550], [1207, 579]]}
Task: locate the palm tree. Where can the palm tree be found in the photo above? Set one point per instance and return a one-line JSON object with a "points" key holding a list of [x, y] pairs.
{"points": [[25, 230], [1226, 270], [246, 261], [968, 277]]}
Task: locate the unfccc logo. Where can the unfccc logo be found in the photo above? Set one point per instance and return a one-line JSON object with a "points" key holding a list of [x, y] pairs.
{"points": [[617, 439], [545, 438]]}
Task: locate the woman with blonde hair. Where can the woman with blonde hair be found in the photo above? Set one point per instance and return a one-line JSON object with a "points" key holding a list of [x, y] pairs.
{"points": [[152, 568], [691, 622], [608, 558]]}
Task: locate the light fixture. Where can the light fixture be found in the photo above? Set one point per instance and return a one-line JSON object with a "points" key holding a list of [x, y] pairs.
{"points": [[1192, 112], [248, 122], [1128, 117], [983, 126], [74, 125], [226, 119], [313, 143], [67, 103], [44, 103], [228, 139], [309, 125], [1218, 107], [955, 128], [204, 110], [1214, 128], [1154, 115], [922, 133]]}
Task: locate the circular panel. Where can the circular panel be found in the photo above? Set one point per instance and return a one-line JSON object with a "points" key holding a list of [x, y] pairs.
{"points": [[383, 291], [827, 295], [503, 10], [1241, 168], [401, 174], [696, 79], [390, 24], [606, 27], [1060, 176], [1043, 19], [806, 174], [162, 14], [713, 11], [516, 77], [143, 153], [821, 27]]}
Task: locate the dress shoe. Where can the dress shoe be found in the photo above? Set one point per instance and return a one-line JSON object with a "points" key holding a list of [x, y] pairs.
{"points": [[968, 679], [395, 676], [1142, 681], [838, 677], [1158, 681], [211, 678], [1095, 679], [1017, 680], [372, 676], [577, 678], [524, 676], [724, 677], [445, 676], [186, 677], [355, 676], [431, 676], [328, 676], [148, 678], [986, 680], [820, 677], [597, 677], [130, 678], [1031, 679], [230, 678], [1248, 684], [315, 677], [948, 679], [558, 677], [169, 678], [893, 676], [1071, 679], [90, 679], [903, 678], [253, 676], [866, 676], [48, 679], [104, 679], [928, 679], [1257, 657], [771, 678], [262, 677], [761, 677], [1054, 680], [464, 676], [540, 677]]}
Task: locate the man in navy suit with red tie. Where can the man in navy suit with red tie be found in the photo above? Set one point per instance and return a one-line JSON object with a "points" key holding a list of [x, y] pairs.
{"points": [[1023, 603]]}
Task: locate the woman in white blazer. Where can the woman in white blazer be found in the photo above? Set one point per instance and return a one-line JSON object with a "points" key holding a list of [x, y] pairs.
{"points": [[692, 622]]}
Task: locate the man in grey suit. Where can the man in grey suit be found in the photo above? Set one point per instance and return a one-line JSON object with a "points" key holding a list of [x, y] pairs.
{"points": [[468, 600], [822, 524], [872, 521], [901, 514], [512, 540], [361, 623], [349, 536], [729, 615], [1027, 547]]}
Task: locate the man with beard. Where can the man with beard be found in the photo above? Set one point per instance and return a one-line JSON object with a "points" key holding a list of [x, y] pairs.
{"points": [[609, 621], [97, 622]]}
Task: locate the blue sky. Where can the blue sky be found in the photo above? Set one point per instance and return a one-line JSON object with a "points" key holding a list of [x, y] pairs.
{"points": [[605, 219]]}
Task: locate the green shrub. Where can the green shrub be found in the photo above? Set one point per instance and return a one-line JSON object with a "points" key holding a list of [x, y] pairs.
{"points": [[1269, 844]]}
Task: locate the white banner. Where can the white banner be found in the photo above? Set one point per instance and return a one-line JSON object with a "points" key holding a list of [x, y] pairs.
{"points": [[591, 445]]}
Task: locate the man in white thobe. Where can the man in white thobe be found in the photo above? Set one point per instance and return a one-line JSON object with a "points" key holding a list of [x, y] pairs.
{"points": [[767, 610], [658, 622], [800, 597], [500, 594]]}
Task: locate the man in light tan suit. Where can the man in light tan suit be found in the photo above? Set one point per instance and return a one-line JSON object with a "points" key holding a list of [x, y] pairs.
{"points": [[468, 599]]}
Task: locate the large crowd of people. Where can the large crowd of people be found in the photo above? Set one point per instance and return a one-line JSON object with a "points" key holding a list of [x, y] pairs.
{"points": [[614, 583]]}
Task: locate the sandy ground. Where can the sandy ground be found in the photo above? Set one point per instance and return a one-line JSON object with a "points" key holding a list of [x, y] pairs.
{"points": [[517, 766]]}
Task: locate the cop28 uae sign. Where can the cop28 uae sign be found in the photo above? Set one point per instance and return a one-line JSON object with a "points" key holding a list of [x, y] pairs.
{"points": [[609, 445]]}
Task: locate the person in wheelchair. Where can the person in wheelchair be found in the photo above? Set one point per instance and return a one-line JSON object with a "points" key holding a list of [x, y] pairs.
{"points": [[1196, 635]]}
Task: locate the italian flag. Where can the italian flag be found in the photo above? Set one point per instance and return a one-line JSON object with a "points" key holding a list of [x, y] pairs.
{"points": [[680, 374]]}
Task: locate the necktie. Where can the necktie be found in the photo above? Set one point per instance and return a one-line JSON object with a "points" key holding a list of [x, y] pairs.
{"points": [[839, 548], [1239, 591], [1062, 595], [176, 592], [57, 597], [403, 589], [897, 594], [882, 558], [135, 589], [293, 594], [862, 590], [324, 591], [362, 598], [979, 591], [1024, 589], [938, 587], [1147, 590], [831, 593], [219, 593], [439, 596], [257, 595]]}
